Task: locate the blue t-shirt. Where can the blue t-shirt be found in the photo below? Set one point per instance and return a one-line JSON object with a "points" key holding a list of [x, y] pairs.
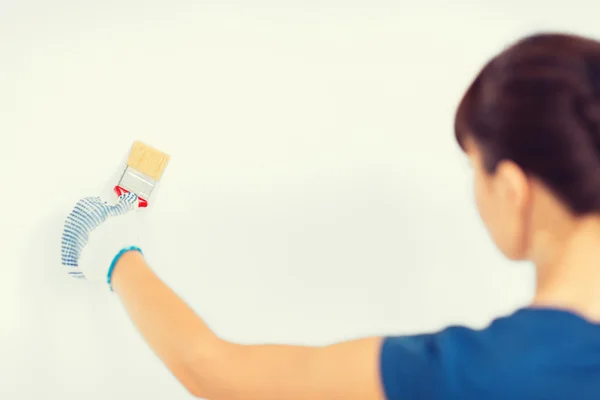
{"points": [[533, 354]]}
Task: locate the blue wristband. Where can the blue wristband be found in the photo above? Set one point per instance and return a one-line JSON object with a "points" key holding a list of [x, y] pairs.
{"points": [[115, 260]]}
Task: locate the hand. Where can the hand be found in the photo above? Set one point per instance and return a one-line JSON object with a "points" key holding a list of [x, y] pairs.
{"points": [[96, 234]]}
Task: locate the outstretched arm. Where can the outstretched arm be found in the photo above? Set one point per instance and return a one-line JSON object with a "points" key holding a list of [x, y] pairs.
{"points": [[216, 369]]}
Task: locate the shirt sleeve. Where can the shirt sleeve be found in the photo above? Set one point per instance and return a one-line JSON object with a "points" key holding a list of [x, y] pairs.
{"points": [[423, 366]]}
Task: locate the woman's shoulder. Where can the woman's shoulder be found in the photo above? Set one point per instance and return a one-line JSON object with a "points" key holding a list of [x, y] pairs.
{"points": [[498, 358]]}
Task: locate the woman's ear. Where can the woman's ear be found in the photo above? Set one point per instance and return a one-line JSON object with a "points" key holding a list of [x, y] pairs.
{"points": [[512, 185]]}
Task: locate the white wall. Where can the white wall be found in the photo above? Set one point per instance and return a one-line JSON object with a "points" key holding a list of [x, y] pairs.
{"points": [[315, 192]]}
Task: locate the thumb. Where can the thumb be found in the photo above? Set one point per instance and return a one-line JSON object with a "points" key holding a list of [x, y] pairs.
{"points": [[127, 202]]}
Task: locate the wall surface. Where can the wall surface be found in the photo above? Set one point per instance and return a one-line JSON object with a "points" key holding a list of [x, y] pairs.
{"points": [[315, 191]]}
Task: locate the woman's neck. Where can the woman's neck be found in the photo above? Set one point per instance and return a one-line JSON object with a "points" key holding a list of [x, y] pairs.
{"points": [[571, 278]]}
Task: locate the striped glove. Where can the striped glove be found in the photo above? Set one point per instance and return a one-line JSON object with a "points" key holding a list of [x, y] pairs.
{"points": [[96, 234]]}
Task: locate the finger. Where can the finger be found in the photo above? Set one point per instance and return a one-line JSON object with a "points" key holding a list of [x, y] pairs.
{"points": [[127, 202]]}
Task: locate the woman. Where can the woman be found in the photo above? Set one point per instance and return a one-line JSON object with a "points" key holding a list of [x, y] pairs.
{"points": [[530, 125]]}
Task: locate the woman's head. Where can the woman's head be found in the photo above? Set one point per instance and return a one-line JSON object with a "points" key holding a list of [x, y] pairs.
{"points": [[530, 122]]}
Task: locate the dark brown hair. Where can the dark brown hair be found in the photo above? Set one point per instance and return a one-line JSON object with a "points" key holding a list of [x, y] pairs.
{"points": [[538, 104]]}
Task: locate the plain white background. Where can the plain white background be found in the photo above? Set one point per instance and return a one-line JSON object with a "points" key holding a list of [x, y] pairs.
{"points": [[315, 192]]}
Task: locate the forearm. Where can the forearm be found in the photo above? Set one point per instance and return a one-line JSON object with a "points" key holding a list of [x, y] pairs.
{"points": [[171, 328], [206, 365]]}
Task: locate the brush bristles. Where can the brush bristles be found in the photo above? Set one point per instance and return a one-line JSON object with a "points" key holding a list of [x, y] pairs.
{"points": [[147, 160]]}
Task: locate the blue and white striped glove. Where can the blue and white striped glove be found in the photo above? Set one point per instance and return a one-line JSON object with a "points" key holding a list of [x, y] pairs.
{"points": [[96, 234]]}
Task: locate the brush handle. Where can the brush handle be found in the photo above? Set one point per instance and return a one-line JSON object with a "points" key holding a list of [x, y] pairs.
{"points": [[120, 190]]}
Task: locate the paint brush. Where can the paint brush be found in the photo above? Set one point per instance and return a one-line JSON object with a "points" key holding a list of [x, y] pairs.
{"points": [[145, 167]]}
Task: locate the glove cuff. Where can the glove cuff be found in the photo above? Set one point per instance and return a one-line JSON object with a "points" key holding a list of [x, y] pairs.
{"points": [[115, 260]]}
